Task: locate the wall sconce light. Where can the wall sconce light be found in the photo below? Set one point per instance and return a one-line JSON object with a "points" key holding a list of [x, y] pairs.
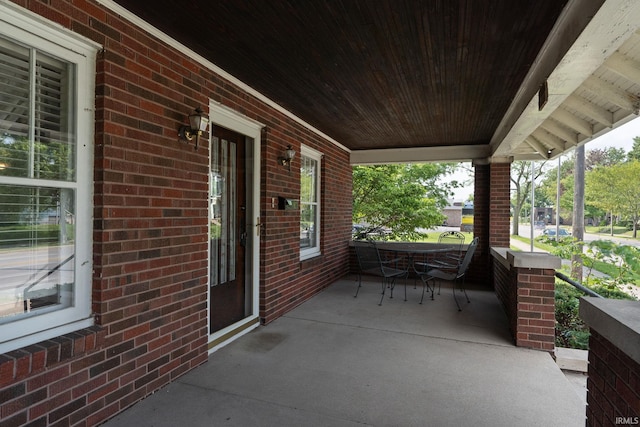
{"points": [[289, 154], [198, 122]]}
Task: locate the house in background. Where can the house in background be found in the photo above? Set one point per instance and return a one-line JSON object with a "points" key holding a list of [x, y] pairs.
{"points": [[186, 237], [453, 213]]}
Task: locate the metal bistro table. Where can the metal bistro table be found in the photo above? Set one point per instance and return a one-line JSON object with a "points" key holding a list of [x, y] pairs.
{"points": [[411, 253]]}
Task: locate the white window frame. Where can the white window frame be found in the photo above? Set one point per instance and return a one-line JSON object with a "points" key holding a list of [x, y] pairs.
{"points": [[29, 29], [306, 253]]}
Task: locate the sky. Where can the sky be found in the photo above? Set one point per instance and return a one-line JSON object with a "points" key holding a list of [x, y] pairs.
{"points": [[620, 137]]}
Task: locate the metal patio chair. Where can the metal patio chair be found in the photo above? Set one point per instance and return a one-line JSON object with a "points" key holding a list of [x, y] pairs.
{"points": [[370, 262], [454, 240], [454, 275], [448, 256]]}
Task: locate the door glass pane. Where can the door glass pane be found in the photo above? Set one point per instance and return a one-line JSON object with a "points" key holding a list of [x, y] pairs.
{"points": [[308, 203], [223, 211]]}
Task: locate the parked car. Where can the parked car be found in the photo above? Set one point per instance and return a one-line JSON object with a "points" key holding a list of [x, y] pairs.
{"points": [[360, 232], [552, 232]]}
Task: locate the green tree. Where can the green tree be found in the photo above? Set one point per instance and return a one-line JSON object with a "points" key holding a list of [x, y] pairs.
{"points": [[521, 187], [402, 197], [599, 185], [604, 157], [627, 179], [593, 159], [634, 154]]}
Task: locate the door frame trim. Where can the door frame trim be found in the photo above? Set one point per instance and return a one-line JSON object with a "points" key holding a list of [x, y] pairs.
{"points": [[234, 121]]}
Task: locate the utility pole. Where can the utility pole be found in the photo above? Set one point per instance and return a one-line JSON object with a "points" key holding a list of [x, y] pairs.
{"points": [[578, 212]]}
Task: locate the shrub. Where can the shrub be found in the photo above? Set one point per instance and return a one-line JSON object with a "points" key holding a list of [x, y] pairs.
{"points": [[571, 331]]}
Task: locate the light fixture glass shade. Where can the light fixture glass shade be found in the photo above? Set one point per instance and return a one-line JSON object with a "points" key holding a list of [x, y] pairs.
{"points": [[204, 121], [289, 153], [198, 121]]}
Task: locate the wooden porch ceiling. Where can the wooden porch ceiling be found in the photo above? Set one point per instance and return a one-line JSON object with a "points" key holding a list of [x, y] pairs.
{"points": [[446, 77]]}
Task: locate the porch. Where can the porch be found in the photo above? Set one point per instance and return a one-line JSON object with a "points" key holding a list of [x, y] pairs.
{"points": [[339, 360]]}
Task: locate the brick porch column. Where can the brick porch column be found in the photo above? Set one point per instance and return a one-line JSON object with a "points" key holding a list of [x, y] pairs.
{"points": [[491, 213], [525, 284]]}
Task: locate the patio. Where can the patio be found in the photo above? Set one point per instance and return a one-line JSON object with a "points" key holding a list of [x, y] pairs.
{"points": [[340, 361]]}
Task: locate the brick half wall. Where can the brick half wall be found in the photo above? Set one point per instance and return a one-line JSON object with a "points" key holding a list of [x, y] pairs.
{"points": [[525, 284], [613, 385]]}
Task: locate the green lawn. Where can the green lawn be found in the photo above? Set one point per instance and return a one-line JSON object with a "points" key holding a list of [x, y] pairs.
{"points": [[606, 231], [603, 267]]}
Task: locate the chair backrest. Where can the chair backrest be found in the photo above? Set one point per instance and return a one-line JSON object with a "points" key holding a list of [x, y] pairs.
{"points": [[368, 255], [452, 239], [466, 261]]}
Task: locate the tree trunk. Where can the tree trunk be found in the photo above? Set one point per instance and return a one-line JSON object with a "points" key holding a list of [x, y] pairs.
{"points": [[515, 225], [611, 223], [578, 213]]}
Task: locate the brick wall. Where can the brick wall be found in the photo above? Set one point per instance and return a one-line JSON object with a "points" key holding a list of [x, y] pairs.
{"points": [[287, 281], [150, 230], [481, 198], [504, 279], [613, 385], [536, 308], [499, 205], [491, 215], [528, 296]]}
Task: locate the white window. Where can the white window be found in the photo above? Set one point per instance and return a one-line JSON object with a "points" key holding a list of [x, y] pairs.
{"points": [[46, 121], [309, 202]]}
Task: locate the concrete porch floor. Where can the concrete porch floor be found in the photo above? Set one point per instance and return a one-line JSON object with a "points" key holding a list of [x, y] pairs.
{"points": [[343, 361]]}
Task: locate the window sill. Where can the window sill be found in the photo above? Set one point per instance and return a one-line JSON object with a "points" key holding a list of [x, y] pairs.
{"points": [[311, 260], [21, 363]]}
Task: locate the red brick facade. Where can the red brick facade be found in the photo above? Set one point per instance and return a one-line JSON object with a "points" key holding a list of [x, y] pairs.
{"points": [[491, 215], [150, 229], [613, 384], [500, 205], [527, 295]]}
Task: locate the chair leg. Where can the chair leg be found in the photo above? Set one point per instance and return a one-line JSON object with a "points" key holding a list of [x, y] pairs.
{"points": [[359, 284], [425, 284], [384, 287], [405, 286], [463, 289], [454, 296]]}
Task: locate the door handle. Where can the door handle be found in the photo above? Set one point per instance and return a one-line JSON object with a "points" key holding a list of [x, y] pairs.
{"points": [[258, 225]]}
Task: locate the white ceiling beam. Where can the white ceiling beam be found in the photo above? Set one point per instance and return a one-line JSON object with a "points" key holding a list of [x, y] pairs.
{"points": [[588, 109], [562, 132], [549, 139], [611, 93], [420, 154], [624, 66], [538, 147], [575, 123]]}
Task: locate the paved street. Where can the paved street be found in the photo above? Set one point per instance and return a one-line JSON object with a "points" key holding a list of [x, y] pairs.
{"points": [[524, 230]]}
